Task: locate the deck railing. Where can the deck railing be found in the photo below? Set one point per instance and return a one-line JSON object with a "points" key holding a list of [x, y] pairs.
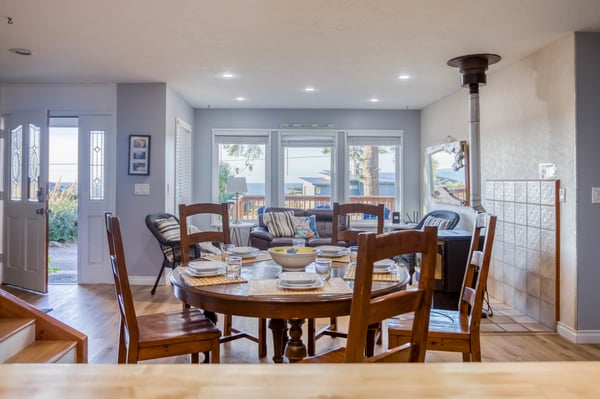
{"points": [[248, 205]]}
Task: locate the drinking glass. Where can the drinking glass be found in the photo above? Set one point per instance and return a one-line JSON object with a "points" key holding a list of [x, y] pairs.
{"points": [[226, 251], [234, 266], [353, 255], [323, 268]]}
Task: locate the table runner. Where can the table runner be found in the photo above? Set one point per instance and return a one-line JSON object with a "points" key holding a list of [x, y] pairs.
{"points": [[262, 256], [391, 276], [206, 281], [334, 285]]}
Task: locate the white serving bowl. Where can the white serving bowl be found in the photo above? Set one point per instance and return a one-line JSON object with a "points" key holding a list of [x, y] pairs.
{"points": [[293, 261]]}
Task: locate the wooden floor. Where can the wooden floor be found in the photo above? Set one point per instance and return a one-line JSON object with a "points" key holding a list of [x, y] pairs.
{"points": [[92, 309]]}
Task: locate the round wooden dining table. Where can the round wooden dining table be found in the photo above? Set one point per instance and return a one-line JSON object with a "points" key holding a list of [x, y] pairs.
{"points": [[236, 299]]}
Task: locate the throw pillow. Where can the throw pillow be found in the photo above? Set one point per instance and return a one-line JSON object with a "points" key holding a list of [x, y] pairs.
{"points": [[305, 226], [168, 228], [441, 224], [279, 224]]}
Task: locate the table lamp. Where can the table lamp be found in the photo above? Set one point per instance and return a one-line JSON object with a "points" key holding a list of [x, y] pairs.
{"points": [[238, 186]]}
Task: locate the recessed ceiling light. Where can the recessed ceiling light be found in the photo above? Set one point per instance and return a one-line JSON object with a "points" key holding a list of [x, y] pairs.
{"points": [[374, 100], [21, 51], [403, 76], [240, 98], [309, 89], [227, 75]]}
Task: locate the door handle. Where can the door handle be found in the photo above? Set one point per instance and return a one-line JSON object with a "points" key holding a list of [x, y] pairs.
{"points": [[39, 211]]}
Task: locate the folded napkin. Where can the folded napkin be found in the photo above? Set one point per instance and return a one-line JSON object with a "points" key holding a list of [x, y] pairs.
{"points": [[389, 276], [334, 285], [193, 281]]}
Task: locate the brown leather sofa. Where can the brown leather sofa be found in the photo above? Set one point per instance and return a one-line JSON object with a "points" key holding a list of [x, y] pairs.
{"points": [[261, 238]]}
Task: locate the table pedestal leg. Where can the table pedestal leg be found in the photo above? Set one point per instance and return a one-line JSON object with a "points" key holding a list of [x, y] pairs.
{"points": [[295, 350], [279, 331]]}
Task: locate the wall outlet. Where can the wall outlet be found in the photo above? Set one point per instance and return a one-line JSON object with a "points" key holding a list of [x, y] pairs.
{"points": [[141, 189]]}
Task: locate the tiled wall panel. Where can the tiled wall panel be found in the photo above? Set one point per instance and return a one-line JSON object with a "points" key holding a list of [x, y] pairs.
{"points": [[524, 265]]}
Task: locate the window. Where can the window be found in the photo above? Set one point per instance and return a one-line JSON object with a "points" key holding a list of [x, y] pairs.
{"points": [[183, 163], [307, 169], [374, 169], [241, 154]]}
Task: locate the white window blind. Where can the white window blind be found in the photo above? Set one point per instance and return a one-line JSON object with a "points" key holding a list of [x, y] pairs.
{"points": [[183, 163]]}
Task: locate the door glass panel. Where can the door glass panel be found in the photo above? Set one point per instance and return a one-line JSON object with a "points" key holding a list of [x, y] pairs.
{"points": [[97, 180], [16, 154], [34, 164]]}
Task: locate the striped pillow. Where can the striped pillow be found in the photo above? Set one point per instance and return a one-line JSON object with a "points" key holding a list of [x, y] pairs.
{"points": [[168, 228], [442, 224], [279, 224]]}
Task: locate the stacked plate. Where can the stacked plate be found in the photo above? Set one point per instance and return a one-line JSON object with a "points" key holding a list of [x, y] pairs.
{"points": [[299, 281], [245, 252], [384, 266], [205, 269], [331, 251]]}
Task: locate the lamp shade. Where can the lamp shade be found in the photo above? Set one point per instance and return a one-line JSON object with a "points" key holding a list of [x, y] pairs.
{"points": [[237, 185]]}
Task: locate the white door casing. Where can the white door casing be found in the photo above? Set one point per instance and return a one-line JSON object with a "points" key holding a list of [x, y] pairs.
{"points": [[26, 201]]}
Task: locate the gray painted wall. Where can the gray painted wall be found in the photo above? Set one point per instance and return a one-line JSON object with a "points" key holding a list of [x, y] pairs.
{"points": [[207, 119], [141, 109], [587, 66]]}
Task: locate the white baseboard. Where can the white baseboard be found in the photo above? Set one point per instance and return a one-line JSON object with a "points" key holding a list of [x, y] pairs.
{"points": [[578, 336]]}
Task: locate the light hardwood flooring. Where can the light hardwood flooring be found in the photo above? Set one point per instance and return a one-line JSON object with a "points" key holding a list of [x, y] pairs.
{"points": [[92, 309]]}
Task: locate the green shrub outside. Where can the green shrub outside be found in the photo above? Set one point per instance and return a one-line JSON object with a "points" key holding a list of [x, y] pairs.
{"points": [[62, 219]]}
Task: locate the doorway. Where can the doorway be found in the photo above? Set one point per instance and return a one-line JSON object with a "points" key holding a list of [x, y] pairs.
{"points": [[63, 194]]}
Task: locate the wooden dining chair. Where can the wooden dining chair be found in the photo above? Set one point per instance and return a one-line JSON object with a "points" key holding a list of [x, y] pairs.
{"points": [[155, 335], [224, 236], [344, 237], [367, 312], [458, 330]]}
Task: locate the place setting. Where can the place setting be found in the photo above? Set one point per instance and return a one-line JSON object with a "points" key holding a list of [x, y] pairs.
{"points": [[205, 273], [315, 280], [383, 270], [337, 254], [248, 254]]}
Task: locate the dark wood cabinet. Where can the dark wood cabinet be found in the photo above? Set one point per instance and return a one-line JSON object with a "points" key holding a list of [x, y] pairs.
{"points": [[453, 250]]}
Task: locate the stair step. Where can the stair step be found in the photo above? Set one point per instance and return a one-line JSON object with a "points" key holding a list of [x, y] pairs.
{"points": [[15, 335], [46, 352]]}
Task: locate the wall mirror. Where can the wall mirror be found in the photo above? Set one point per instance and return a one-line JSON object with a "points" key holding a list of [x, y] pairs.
{"points": [[448, 173]]}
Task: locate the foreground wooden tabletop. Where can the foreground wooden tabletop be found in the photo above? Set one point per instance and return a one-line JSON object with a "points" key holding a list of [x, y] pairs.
{"points": [[431, 380]]}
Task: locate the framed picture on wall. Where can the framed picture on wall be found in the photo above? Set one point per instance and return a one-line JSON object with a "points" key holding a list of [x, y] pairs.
{"points": [[139, 155]]}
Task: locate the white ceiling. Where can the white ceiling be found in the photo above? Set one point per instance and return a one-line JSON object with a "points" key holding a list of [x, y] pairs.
{"points": [[349, 50]]}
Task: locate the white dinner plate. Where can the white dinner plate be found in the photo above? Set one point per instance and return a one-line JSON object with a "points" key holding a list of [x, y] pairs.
{"points": [[193, 273], [250, 255], [298, 278], [331, 250], [315, 284], [207, 266], [243, 250], [383, 266]]}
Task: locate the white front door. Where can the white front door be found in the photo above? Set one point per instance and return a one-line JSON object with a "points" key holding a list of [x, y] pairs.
{"points": [[26, 202], [96, 196]]}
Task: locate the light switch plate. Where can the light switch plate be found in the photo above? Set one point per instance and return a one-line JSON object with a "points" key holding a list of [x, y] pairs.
{"points": [[141, 189], [595, 195]]}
